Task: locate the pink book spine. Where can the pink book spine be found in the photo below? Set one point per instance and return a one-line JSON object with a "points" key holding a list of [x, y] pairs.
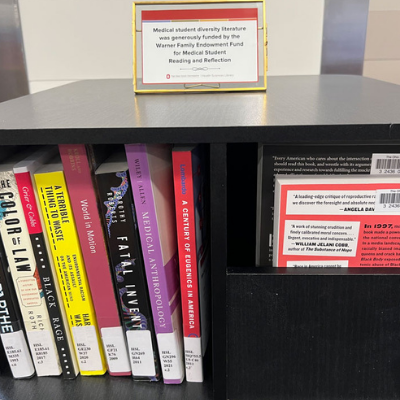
{"points": [[84, 204]]}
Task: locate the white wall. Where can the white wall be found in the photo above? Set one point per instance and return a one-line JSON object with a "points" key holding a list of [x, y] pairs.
{"points": [[68, 40], [382, 50]]}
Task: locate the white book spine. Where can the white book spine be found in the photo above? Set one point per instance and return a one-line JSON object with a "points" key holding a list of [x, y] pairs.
{"points": [[21, 260]]}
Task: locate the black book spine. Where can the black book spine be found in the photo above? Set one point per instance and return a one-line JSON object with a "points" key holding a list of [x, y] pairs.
{"points": [[54, 305], [126, 258], [17, 354]]}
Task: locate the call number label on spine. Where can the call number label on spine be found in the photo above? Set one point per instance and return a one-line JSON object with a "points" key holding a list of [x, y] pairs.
{"points": [[18, 354], [115, 349], [141, 353], [87, 348]]}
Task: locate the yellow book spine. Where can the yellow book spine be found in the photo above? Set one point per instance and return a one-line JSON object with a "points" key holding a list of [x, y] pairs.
{"points": [[66, 252]]}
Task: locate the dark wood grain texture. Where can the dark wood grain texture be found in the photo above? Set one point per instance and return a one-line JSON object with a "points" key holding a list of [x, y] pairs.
{"points": [[276, 334], [295, 109], [99, 388], [313, 336], [218, 194]]}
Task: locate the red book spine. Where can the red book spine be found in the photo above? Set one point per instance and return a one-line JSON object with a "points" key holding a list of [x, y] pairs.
{"points": [[84, 204], [186, 233]]}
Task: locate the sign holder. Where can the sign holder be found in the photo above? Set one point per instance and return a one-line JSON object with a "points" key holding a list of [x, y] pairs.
{"points": [[186, 46]]}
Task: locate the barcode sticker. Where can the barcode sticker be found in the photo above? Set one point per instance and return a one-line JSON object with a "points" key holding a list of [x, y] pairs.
{"points": [[385, 164], [18, 354], [115, 349], [87, 348], [44, 353], [387, 200]]}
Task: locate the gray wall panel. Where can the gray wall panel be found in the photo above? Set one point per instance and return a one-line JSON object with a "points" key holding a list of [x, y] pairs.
{"points": [[343, 43], [13, 76]]}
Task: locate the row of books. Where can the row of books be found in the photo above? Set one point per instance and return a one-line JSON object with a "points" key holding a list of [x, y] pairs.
{"points": [[91, 237], [328, 207]]}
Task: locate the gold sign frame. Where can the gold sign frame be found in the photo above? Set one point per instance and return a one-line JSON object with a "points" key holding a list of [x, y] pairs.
{"points": [[140, 87]]}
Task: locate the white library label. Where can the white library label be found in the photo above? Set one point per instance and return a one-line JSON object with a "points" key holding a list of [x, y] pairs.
{"points": [[43, 353], [115, 349], [172, 365], [17, 353], [87, 348], [385, 164], [388, 200], [193, 359], [141, 353]]}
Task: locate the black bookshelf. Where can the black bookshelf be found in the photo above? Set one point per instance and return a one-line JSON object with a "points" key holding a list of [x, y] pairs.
{"points": [[99, 388], [263, 319]]}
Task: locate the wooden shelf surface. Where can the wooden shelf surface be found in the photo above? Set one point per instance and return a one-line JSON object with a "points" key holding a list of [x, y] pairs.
{"points": [[295, 108], [99, 388]]}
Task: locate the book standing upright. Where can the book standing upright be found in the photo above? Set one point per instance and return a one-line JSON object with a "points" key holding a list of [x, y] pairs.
{"points": [[123, 241], [67, 256], [191, 200], [22, 263], [150, 167], [24, 171], [78, 175], [11, 331]]}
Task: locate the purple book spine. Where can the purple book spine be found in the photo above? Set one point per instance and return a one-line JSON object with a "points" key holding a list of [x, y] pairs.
{"points": [[161, 278]]}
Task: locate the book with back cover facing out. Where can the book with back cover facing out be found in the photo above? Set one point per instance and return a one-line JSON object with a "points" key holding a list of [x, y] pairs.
{"points": [[305, 160], [337, 221]]}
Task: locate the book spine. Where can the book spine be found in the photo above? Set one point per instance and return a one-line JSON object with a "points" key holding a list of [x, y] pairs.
{"points": [[187, 252], [84, 204], [158, 278], [26, 279], [54, 305], [11, 332], [128, 272], [71, 274]]}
